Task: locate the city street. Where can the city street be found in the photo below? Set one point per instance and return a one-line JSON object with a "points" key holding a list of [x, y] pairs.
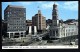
{"points": [[32, 41]]}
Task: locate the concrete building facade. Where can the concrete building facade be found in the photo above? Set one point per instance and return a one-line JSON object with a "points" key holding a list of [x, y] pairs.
{"points": [[59, 29], [15, 16], [68, 30], [39, 21]]}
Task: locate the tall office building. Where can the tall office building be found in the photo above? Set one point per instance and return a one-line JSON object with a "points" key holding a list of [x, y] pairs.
{"points": [[39, 21], [15, 16]]}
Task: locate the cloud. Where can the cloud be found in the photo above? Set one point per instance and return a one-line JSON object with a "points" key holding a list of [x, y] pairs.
{"points": [[72, 5], [69, 5], [25, 3], [48, 5], [18, 3]]}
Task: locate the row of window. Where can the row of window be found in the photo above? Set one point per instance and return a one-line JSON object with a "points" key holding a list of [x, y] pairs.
{"points": [[16, 18], [16, 24], [16, 30], [70, 30], [17, 15], [19, 22], [17, 9], [70, 34], [17, 27], [8, 14]]}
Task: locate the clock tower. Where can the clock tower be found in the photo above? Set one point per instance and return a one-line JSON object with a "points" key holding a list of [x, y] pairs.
{"points": [[54, 29], [55, 20]]}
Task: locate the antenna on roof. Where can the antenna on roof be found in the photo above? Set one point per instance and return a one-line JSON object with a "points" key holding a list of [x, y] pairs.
{"points": [[39, 11], [38, 8]]}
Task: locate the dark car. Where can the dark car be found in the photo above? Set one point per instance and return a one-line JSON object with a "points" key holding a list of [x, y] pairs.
{"points": [[49, 41]]}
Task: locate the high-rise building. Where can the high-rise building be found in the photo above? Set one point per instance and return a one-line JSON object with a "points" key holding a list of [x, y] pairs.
{"points": [[39, 21], [15, 17]]}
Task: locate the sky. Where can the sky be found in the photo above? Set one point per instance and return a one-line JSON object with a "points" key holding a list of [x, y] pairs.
{"points": [[66, 9]]}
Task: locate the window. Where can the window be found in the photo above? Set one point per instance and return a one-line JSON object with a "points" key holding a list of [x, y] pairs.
{"points": [[8, 12], [24, 13], [16, 27], [8, 15]]}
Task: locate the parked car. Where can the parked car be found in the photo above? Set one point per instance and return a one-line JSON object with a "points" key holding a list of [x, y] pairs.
{"points": [[72, 43]]}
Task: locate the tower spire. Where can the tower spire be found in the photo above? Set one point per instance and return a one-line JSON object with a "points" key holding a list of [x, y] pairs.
{"points": [[39, 11]]}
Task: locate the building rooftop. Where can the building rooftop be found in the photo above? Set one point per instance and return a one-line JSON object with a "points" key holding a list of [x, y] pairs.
{"points": [[70, 21], [15, 6], [28, 20]]}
